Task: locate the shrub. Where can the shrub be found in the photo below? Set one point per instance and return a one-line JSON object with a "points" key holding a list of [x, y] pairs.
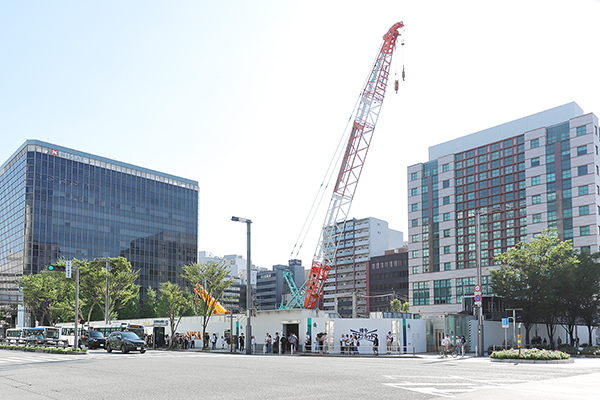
{"points": [[530, 354]]}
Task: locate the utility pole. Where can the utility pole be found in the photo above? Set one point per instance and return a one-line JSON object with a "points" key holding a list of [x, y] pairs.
{"points": [[248, 285]]}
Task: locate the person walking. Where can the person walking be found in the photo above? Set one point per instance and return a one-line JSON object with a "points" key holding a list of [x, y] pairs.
{"points": [[266, 347], [389, 340], [242, 342], [307, 343], [276, 344], [375, 345], [252, 344], [463, 343]]}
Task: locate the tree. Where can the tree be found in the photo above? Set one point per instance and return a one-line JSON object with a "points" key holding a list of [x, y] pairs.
{"points": [[586, 289], [46, 295], [397, 305], [527, 278], [121, 283], [92, 286], [173, 302], [149, 304], [213, 276]]}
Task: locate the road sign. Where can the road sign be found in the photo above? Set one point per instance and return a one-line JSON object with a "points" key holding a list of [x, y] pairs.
{"points": [[505, 322], [477, 289], [477, 298], [68, 269]]}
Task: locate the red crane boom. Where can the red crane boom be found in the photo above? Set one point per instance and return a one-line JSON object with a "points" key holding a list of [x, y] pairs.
{"points": [[353, 161]]}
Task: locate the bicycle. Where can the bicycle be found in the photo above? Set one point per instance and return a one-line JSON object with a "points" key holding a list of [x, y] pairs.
{"points": [[452, 350]]}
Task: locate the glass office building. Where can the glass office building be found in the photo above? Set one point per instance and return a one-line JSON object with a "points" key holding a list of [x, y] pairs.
{"points": [[58, 202], [537, 172]]}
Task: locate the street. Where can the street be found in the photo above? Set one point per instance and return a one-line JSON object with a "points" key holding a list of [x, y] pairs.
{"points": [[190, 374]]}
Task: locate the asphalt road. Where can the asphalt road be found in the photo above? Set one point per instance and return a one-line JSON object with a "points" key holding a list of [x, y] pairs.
{"points": [[192, 375]]}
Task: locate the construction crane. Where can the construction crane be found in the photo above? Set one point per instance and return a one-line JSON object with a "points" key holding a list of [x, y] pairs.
{"points": [[209, 300], [351, 167]]}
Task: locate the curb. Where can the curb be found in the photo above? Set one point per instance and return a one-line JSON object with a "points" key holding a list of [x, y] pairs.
{"points": [[524, 361]]}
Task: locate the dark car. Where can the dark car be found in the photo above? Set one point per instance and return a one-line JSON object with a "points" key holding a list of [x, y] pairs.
{"points": [[125, 341], [93, 339], [35, 340]]}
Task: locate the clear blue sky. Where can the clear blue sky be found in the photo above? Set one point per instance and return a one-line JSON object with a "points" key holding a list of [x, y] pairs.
{"points": [[250, 98]]}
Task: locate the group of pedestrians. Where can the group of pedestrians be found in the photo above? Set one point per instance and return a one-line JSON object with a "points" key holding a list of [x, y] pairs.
{"points": [[278, 344], [349, 344], [461, 342]]}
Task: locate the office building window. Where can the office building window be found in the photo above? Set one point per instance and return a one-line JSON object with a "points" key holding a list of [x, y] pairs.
{"points": [[445, 167], [582, 170], [415, 238], [442, 292], [446, 184], [413, 176], [581, 150], [447, 266], [535, 162], [536, 199], [535, 180], [535, 218], [420, 293], [534, 143], [415, 222], [414, 191], [584, 210], [415, 254], [414, 207], [583, 190], [581, 130], [584, 230]]}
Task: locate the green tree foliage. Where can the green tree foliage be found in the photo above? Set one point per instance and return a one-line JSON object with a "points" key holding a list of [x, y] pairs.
{"points": [[92, 286], [46, 294], [397, 305], [173, 302], [121, 283], [581, 294], [149, 304], [213, 276], [530, 277]]}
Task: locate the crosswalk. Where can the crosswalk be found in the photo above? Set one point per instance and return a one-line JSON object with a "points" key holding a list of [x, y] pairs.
{"points": [[8, 358]]}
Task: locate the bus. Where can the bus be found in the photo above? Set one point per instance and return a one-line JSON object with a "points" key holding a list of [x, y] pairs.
{"points": [[14, 336], [67, 330], [108, 329], [67, 333], [43, 335]]}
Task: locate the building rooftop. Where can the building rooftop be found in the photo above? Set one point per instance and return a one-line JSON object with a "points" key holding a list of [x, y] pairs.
{"points": [[546, 118], [87, 158]]}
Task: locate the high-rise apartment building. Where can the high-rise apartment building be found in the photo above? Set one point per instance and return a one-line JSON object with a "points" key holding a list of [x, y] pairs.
{"points": [[58, 202], [537, 172], [347, 288]]}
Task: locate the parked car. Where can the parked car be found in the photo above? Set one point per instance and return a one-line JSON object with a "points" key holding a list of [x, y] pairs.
{"points": [[126, 342], [93, 339]]}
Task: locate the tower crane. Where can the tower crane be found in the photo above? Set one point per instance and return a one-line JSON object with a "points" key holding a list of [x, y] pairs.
{"points": [[351, 167]]}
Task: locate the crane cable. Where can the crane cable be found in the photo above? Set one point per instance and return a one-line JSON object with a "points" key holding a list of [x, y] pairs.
{"points": [[335, 161]]}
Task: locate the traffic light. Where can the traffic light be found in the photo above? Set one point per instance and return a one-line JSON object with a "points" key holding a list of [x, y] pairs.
{"points": [[55, 267]]}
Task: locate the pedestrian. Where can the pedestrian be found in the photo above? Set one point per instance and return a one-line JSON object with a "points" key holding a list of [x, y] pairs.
{"points": [[389, 340], [355, 344], [253, 344], [242, 342], [214, 341], [266, 346], [463, 343], [222, 342], [375, 345], [282, 343], [307, 343], [293, 342], [276, 347], [192, 343], [343, 344]]}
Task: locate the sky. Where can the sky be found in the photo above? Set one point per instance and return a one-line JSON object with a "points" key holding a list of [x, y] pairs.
{"points": [[250, 98]]}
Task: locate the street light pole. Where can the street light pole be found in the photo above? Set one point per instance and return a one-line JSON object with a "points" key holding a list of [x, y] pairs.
{"points": [[248, 286], [478, 212], [106, 309], [478, 261]]}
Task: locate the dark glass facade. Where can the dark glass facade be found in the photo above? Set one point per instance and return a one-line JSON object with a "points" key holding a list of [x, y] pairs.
{"points": [[58, 202]]}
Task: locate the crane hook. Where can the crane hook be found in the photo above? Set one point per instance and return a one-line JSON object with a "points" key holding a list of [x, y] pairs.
{"points": [[403, 74], [396, 86]]}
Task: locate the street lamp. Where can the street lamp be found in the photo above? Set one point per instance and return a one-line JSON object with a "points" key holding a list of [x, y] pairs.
{"points": [[248, 286], [478, 212]]}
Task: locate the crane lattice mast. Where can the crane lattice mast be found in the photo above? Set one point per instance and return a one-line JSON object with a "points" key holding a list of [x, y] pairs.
{"points": [[353, 161]]}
